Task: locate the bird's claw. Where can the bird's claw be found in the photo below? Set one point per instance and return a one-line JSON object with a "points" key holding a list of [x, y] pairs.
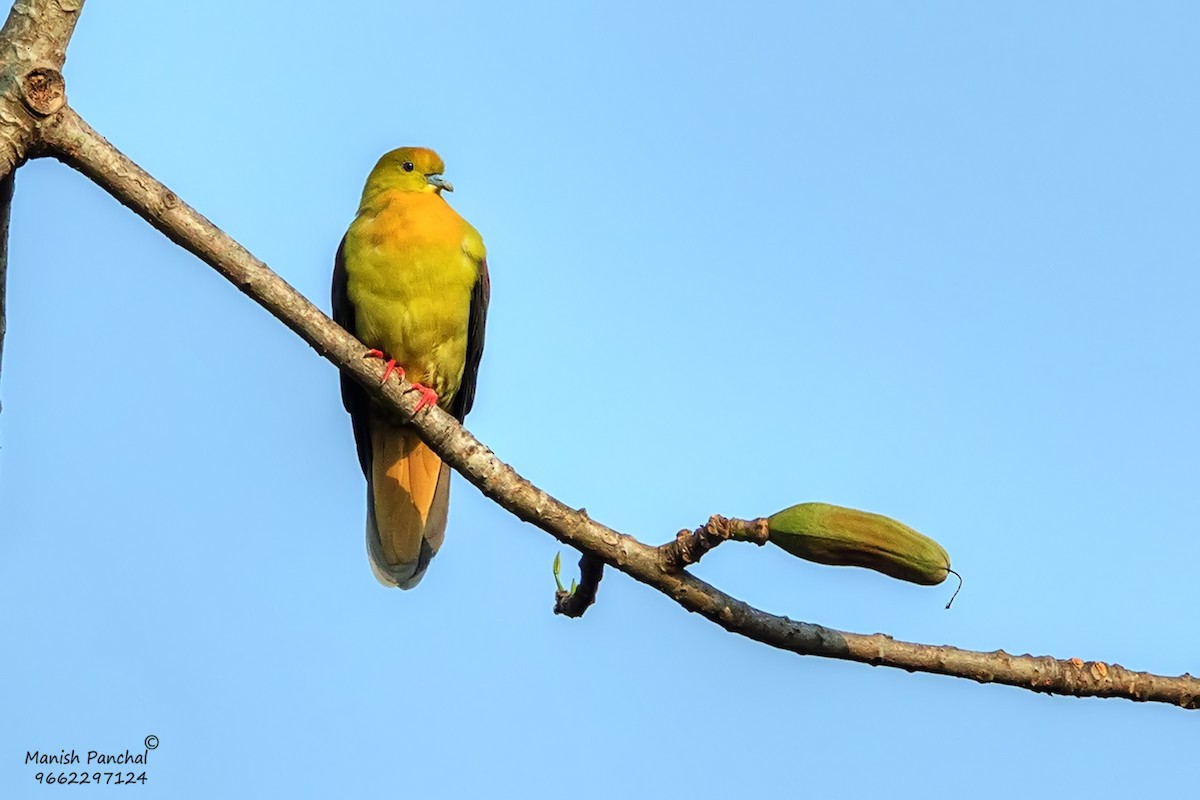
{"points": [[428, 399], [388, 368]]}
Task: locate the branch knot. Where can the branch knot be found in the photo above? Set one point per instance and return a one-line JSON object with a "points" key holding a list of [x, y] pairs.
{"points": [[43, 91]]}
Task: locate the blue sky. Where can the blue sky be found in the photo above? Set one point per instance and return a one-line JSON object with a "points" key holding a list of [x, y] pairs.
{"points": [[933, 260]]}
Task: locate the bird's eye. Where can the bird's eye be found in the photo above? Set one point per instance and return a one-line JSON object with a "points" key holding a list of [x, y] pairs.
{"points": [[407, 166]]}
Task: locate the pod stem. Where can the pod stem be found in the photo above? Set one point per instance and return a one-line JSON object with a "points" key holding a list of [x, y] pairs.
{"points": [[690, 546], [956, 591]]}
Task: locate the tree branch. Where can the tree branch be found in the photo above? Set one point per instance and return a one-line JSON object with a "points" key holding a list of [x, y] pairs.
{"points": [[69, 138], [33, 41], [37, 32], [6, 196]]}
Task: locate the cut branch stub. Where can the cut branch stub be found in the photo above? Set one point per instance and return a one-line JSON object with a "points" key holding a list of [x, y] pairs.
{"points": [[43, 91]]}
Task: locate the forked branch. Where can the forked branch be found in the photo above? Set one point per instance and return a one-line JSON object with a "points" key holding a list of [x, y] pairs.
{"points": [[69, 138]]}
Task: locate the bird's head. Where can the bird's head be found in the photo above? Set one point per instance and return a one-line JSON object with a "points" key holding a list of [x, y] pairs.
{"points": [[408, 169]]}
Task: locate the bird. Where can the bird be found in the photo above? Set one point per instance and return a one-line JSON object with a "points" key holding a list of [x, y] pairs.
{"points": [[410, 281]]}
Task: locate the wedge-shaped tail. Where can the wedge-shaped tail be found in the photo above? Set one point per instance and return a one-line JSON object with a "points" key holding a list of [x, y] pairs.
{"points": [[408, 497]]}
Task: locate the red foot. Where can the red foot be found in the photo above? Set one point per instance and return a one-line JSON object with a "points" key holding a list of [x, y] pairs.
{"points": [[389, 368], [428, 399]]}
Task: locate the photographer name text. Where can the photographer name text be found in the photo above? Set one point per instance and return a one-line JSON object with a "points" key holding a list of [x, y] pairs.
{"points": [[68, 757]]}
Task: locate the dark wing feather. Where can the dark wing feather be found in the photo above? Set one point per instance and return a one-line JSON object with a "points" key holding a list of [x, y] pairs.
{"points": [[480, 296], [354, 398]]}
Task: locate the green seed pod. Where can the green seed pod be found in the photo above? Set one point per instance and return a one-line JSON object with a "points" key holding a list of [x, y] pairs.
{"points": [[846, 537]]}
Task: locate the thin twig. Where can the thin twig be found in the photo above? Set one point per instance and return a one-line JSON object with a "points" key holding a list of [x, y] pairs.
{"points": [[575, 602], [70, 139]]}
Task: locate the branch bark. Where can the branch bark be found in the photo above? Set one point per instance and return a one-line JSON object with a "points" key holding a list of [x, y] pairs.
{"points": [[69, 138], [37, 32], [33, 41]]}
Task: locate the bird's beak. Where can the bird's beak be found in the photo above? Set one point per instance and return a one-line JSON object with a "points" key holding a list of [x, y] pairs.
{"points": [[440, 182]]}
